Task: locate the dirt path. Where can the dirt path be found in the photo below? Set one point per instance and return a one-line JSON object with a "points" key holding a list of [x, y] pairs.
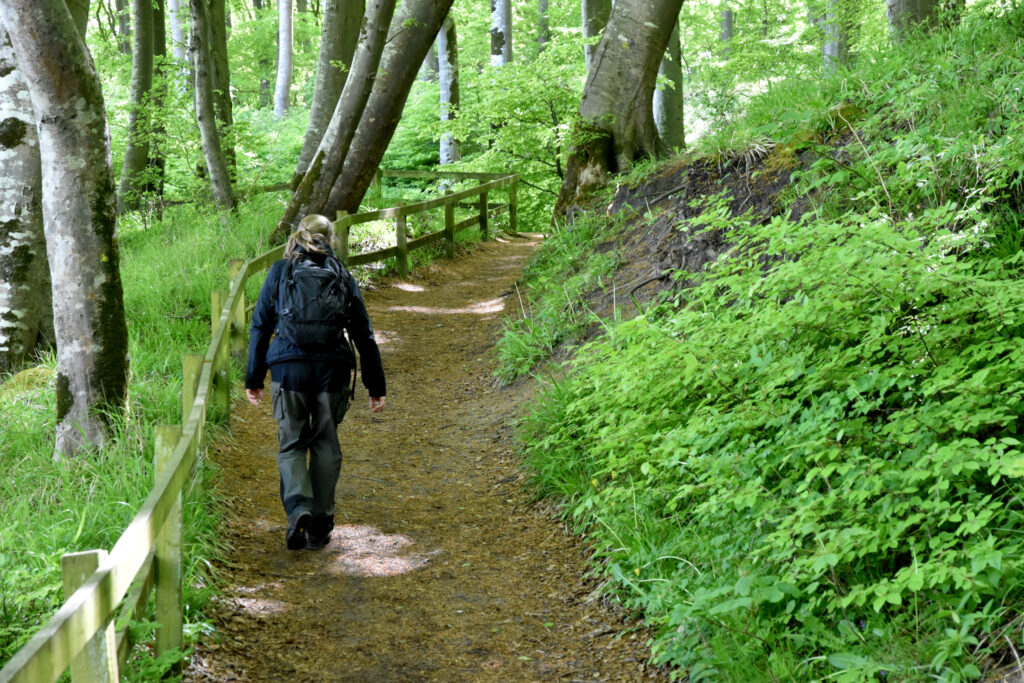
{"points": [[439, 569]]}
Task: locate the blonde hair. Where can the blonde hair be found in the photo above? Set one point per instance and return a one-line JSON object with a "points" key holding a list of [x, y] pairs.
{"points": [[315, 234]]}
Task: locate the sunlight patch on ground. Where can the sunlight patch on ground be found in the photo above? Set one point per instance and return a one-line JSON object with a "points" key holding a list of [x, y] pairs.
{"points": [[365, 551], [406, 287], [260, 605], [386, 338], [480, 308]]}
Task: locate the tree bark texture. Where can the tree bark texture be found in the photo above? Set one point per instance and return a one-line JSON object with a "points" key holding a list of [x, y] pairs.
{"points": [[725, 32], [595, 15], [668, 102], [80, 14], [26, 316], [616, 110], [136, 155], [414, 29], [906, 14], [312, 193], [284, 57], [543, 25], [501, 32], [836, 27], [338, 38], [80, 219], [448, 71], [202, 68], [222, 79]]}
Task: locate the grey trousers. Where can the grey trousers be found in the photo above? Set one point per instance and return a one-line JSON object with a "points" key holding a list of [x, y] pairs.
{"points": [[308, 422]]}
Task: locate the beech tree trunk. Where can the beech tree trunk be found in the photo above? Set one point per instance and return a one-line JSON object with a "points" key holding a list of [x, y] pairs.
{"points": [[80, 219], [157, 161], [543, 26], [668, 102], [26, 315], [179, 42], [284, 57], [222, 79], [448, 70], [906, 14], [124, 30], [429, 68], [725, 33], [202, 68], [315, 187], [595, 15], [79, 13], [836, 27], [501, 32], [338, 39], [133, 169], [413, 30], [616, 108]]}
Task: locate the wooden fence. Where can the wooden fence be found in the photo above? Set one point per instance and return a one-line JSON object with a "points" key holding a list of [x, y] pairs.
{"points": [[104, 591]]}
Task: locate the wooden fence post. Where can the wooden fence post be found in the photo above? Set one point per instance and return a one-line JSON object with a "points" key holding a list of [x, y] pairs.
{"points": [[341, 237], [449, 226], [513, 205], [238, 335], [192, 368], [98, 659], [483, 215], [167, 556], [221, 363], [403, 250]]}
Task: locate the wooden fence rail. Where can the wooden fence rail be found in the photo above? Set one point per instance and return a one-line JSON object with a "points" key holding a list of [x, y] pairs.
{"points": [[105, 591]]}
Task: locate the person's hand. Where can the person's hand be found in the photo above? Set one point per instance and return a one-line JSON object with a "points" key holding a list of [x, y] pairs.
{"points": [[377, 403], [254, 396]]}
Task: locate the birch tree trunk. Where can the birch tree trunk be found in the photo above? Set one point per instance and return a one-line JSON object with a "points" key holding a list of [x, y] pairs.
{"points": [[501, 32], [543, 26], [202, 68], [668, 102], [26, 315], [312, 193], [80, 219], [448, 71], [222, 79], [616, 109], [595, 15], [284, 57], [413, 30], [133, 169], [338, 39]]}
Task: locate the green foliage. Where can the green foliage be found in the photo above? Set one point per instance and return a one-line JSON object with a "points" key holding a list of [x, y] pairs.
{"points": [[808, 465]]}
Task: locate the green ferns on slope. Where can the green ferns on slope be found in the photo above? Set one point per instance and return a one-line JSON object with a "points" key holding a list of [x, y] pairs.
{"points": [[808, 465]]}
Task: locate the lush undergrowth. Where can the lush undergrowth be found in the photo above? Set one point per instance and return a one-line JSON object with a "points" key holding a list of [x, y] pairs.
{"points": [[807, 466]]}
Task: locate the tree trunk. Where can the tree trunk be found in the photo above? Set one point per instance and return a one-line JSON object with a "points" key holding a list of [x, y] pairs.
{"points": [[543, 26], [616, 108], [133, 170], [501, 32], [284, 57], [80, 14], [595, 18], [26, 314], [448, 69], [179, 44], [725, 34], [80, 219], [124, 30], [157, 161], [414, 28], [312, 193], [429, 68], [668, 102], [907, 14], [202, 68], [222, 79], [836, 36], [338, 39]]}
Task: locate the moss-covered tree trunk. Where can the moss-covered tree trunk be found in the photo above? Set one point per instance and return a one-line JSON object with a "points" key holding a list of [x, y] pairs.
{"points": [[617, 118], [338, 38], [202, 69], [26, 317], [133, 169], [80, 219]]}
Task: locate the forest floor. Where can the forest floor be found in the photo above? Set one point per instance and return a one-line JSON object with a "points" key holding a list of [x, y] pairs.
{"points": [[440, 567]]}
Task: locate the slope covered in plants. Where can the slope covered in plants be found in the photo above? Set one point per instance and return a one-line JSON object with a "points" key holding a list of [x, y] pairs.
{"points": [[801, 461]]}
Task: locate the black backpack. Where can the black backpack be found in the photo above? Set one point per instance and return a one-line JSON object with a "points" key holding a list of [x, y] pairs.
{"points": [[313, 303]]}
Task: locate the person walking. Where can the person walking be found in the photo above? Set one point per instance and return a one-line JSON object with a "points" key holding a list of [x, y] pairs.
{"points": [[311, 302]]}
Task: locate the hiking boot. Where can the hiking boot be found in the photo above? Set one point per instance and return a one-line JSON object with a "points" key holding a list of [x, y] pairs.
{"points": [[295, 537], [319, 533], [314, 542]]}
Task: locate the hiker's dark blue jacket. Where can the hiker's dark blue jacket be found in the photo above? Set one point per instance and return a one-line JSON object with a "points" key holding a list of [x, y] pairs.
{"points": [[266, 349]]}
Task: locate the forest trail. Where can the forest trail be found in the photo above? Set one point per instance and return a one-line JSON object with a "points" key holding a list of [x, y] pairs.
{"points": [[439, 568]]}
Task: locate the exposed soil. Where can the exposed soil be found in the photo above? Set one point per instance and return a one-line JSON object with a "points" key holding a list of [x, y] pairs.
{"points": [[440, 567]]}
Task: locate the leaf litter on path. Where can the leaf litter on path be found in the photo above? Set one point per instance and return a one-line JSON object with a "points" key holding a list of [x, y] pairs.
{"points": [[440, 567]]}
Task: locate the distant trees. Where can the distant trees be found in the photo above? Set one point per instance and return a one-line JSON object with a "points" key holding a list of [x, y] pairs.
{"points": [[79, 217], [133, 170], [202, 69]]}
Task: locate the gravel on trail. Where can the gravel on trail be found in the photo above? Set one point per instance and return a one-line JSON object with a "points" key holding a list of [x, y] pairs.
{"points": [[441, 566]]}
